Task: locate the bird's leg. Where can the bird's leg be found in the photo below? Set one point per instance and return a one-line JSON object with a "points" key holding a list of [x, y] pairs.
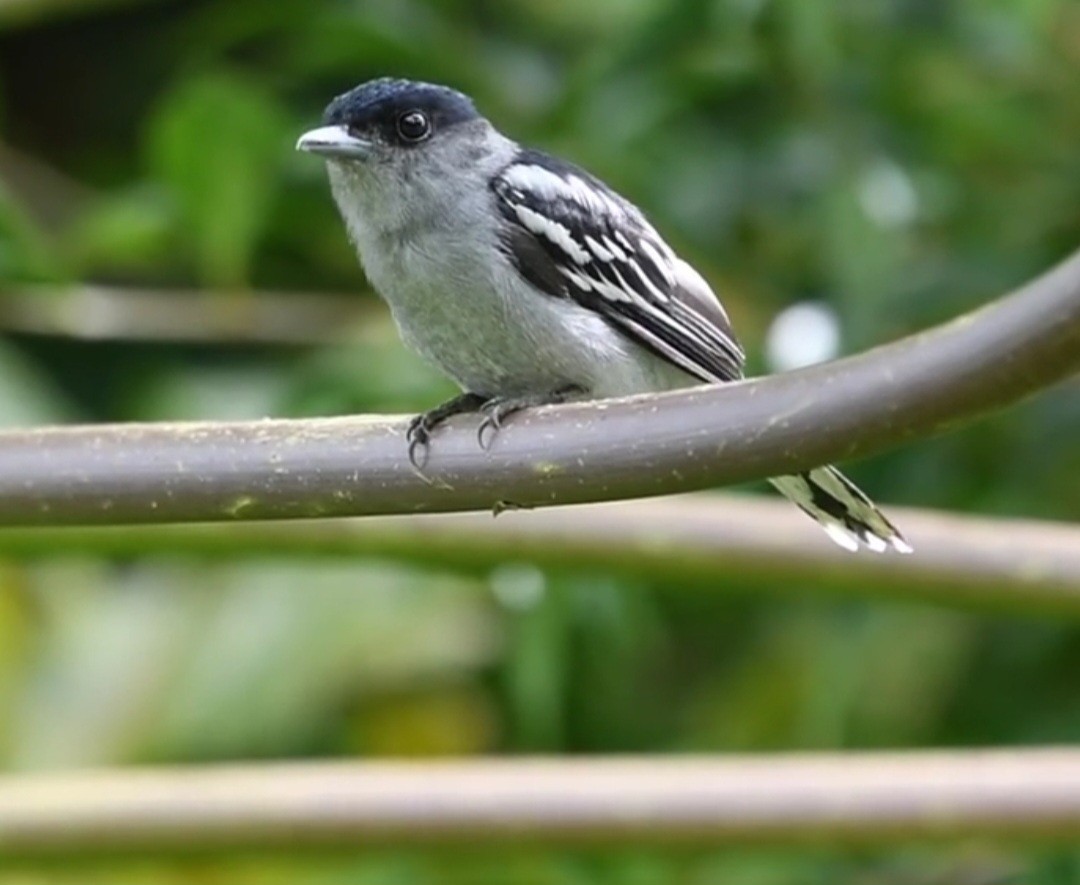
{"points": [[498, 409], [419, 433]]}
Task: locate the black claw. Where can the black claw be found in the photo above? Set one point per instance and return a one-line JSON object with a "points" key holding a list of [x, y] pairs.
{"points": [[486, 433], [417, 436], [497, 410], [418, 433], [480, 431], [494, 413], [418, 443]]}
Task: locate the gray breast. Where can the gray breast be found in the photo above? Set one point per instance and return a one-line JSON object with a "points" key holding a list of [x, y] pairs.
{"points": [[458, 301]]}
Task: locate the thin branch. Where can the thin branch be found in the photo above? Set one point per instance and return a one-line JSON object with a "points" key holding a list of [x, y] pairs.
{"points": [[1022, 566], [647, 445], [105, 313], [870, 799]]}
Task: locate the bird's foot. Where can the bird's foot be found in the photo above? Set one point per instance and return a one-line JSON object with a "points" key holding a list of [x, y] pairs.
{"points": [[499, 408], [418, 434]]}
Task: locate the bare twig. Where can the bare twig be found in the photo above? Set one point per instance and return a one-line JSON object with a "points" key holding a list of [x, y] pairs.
{"points": [[845, 799], [695, 541], [645, 445], [96, 313]]}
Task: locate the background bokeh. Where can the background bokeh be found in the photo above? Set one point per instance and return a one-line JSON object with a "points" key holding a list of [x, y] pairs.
{"points": [[900, 161]]}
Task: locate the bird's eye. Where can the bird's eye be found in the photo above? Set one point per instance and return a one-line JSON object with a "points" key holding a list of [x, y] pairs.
{"points": [[414, 126]]}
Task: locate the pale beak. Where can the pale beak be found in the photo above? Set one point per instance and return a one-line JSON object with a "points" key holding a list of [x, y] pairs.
{"points": [[334, 141]]}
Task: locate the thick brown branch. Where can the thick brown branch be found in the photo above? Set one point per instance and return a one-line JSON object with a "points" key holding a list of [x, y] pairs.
{"points": [[845, 799], [646, 445]]}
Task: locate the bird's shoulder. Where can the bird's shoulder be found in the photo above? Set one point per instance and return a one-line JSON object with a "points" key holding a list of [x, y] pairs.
{"points": [[535, 187], [596, 239], [572, 236]]}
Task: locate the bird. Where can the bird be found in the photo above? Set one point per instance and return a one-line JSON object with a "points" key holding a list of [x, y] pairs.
{"points": [[527, 280]]}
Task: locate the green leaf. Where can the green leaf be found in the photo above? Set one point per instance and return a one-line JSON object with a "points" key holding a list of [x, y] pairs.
{"points": [[217, 143], [128, 231]]}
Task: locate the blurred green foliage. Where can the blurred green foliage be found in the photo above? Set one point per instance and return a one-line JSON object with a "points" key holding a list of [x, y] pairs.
{"points": [[904, 160]]}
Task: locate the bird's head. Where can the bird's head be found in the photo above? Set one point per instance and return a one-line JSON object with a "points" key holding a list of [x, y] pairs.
{"points": [[384, 120], [398, 150]]}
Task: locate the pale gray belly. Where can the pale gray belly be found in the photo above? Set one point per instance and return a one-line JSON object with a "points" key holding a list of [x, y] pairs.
{"points": [[495, 335], [489, 346]]}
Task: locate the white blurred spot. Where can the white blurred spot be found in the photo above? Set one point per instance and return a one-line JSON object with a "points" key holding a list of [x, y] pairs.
{"points": [[803, 334], [887, 195], [518, 587]]}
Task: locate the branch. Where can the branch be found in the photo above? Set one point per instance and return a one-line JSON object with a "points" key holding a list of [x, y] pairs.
{"points": [[646, 445], [849, 799], [1022, 566], [98, 313]]}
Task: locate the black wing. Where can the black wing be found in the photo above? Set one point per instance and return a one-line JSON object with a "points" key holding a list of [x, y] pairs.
{"points": [[572, 237]]}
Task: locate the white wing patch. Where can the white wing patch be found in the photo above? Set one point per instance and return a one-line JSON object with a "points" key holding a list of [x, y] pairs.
{"points": [[615, 263], [551, 186], [592, 284], [614, 248], [559, 234], [601, 252]]}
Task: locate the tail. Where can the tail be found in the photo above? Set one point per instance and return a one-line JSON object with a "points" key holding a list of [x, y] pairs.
{"points": [[840, 507]]}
